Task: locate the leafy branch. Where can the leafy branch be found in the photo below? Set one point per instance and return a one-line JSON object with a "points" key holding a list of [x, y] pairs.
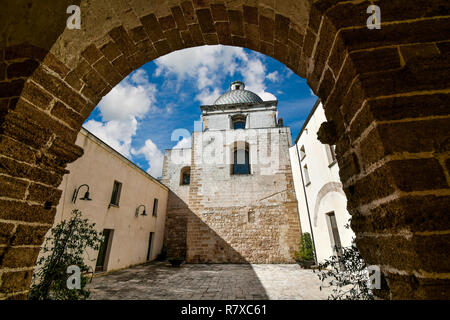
{"points": [[65, 247], [347, 274]]}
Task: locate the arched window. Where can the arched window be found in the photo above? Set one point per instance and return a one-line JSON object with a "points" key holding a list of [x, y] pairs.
{"points": [[239, 124], [185, 176], [238, 121], [241, 164]]}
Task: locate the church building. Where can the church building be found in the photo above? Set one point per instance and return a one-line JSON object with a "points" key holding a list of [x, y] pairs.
{"points": [[231, 197]]}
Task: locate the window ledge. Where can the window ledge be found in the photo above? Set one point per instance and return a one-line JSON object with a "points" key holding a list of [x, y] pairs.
{"points": [[332, 164], [113, 205]]}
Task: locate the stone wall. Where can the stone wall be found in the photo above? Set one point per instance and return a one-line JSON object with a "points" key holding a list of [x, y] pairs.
{"points": [[242, 218], [385, 92], [256, 116], [177, 205]]}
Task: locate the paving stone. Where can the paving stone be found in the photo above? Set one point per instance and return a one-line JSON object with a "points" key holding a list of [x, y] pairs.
{"points": [[158, 280]]}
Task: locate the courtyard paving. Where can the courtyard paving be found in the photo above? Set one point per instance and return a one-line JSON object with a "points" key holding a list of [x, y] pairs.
{"points": [[158, 280]]}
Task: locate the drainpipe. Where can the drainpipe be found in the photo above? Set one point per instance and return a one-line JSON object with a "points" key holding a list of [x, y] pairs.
{"points": [[307, 206]]}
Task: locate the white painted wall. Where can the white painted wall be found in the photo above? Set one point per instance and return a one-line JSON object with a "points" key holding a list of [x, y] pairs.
{"points": [[324, 193], [99, 167]]}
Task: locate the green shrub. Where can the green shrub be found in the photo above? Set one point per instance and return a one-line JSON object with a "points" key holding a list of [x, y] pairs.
{"points": [[346, 274], [306, 252], [65, 247]]}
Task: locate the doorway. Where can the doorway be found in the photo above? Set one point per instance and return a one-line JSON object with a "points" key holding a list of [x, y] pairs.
{"points": [[334, 234], [149, 250], [104, 250]]}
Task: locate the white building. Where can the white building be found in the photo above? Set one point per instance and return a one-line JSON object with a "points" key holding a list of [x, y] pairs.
{"points": [[126, 203], [321, 201]]}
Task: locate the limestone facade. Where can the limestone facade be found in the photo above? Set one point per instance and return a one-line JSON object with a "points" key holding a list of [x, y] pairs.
{"points": [[374, 83], [226, 216]]}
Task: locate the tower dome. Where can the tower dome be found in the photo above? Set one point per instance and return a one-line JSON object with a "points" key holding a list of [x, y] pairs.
{"points": [[238, 94]]}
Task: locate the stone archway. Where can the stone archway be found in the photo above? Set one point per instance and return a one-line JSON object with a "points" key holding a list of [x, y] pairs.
{"points": [[385, 94]]}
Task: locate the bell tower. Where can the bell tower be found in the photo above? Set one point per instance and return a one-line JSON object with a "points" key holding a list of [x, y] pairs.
{"points": [[241, 205]]}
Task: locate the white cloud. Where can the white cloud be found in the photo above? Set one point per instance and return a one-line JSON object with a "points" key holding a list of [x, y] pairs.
{"points": [[132, 97], [154, 157], [273, 76], [117, 134], [254, 72], [207, 97], [121, 110], [183, 143], [208, 66], [169, 107]]}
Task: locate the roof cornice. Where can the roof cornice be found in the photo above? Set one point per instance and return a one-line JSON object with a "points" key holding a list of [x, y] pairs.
{"points": [[243, 105], [307, 119]]}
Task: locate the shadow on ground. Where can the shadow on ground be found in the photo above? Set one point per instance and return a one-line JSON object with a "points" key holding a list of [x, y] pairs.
{"points": [[160, 281]]}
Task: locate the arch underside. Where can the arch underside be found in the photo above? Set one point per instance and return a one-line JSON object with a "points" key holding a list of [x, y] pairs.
{"points": [[385, 95]]}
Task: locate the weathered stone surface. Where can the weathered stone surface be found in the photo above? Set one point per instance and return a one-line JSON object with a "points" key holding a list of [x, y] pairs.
{"points": [[416, 213], [6, 230], [400, 72], [29, 235], [327, 133], [23, 211], [19, 257], [21, 69], [210, 282], [15, 281], [215, 219]]}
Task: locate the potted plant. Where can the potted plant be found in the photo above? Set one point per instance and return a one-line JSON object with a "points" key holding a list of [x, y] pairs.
{"points": [[305, 257], [176, 261], [163, 254]]}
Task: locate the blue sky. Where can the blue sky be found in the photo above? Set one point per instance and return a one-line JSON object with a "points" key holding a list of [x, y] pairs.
{"points": [[139, 115]]}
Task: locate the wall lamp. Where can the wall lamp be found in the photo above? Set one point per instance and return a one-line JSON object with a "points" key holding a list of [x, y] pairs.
{"points": [[86, 195], [143, 212]]}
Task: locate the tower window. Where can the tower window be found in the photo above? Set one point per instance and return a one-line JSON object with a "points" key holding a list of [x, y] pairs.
{"points": [[239, 124], [238, 121], [185, 176], [241, 163]]}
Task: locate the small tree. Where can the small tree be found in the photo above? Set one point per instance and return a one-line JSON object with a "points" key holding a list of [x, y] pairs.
{"points": [[66, 246], [347, 274], [306, 252]]}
